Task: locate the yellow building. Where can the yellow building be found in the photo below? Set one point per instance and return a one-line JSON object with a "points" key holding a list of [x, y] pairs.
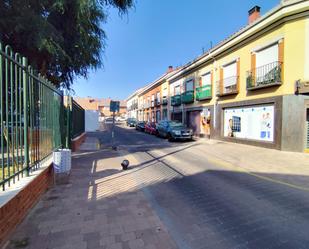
{"points": [[251, 88]]}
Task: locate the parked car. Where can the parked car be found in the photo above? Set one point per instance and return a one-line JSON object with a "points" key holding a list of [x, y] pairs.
{"points": [[108, 120], [131, 122], [174, 130], [140, 126], [151, 128], [120, 119]]}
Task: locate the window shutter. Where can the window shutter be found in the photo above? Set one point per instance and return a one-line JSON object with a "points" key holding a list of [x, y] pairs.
{"points": [[253, 64], [281, 57]]}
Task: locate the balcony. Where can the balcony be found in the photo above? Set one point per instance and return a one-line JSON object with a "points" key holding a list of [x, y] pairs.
{"points": [[187, 97], [176, 100], [164, 100], [227, 86], [203, 92], [265, 76]]}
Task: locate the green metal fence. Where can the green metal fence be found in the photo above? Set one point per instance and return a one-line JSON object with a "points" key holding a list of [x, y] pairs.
{"points": [[78, 120], [32, 117]]}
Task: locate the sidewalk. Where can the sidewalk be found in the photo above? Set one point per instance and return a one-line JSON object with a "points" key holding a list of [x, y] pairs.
{"points": [[101, 207], [289, 167]]}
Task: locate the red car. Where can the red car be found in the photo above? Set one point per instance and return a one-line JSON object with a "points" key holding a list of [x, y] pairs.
{"points": [[150, 128]]}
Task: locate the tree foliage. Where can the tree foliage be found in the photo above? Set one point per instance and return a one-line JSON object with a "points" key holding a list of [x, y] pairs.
{"points": [[62, 38]]}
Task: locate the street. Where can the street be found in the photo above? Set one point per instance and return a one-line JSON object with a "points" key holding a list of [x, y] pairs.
{"points": [[175, 195], [206, 206]]}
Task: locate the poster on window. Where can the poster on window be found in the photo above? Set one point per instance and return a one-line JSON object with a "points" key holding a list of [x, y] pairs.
{"points": [[256, 123]]}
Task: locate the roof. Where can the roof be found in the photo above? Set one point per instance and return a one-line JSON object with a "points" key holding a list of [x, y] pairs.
{"points": [[89, 103], [164, 76]]}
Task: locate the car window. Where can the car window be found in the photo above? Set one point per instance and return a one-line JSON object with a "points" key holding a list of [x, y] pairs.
{"points": [[175, 124]]}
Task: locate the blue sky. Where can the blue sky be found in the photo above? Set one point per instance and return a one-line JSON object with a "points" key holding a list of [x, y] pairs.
{"points": [[159, 33]]}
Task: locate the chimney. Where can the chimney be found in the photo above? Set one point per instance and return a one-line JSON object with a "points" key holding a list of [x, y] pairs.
{"points": [[254, 14], [170, 69]]}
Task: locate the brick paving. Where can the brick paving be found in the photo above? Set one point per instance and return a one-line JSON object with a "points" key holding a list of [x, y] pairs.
{"points": [[100, 207], [179, 195]]}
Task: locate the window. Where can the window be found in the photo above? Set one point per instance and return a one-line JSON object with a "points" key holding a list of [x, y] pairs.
{"points": [[189, 85], [177, 90], [158, 97], [164, 91], [230, 74], [206, 79], [267, 56]]}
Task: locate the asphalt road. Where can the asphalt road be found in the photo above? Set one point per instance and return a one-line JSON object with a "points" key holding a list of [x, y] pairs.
{"points": [[205, 205]]}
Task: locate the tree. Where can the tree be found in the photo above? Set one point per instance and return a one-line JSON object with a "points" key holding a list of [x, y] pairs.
{"points": [[63, 39]]}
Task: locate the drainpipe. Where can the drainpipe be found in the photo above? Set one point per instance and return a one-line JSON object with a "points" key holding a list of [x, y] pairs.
{"points": [[214, 90]]}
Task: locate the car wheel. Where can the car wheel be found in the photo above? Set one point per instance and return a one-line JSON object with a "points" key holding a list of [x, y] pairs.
{"points": [[170, 137]]}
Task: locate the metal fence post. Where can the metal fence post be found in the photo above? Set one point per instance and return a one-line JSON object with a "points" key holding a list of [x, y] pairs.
{"points": [[26, 114]]}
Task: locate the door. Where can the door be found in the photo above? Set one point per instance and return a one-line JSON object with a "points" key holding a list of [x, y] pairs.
{"points": [[193, 121]]}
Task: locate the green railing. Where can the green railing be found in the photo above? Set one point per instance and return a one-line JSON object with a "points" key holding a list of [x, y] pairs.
{"points": [[176, 100], [78, 120], [187, 97], [203, 92], [32, 117]]}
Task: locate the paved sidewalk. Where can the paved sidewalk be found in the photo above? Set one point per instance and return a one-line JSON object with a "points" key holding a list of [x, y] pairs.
{"points": [[101, 207], [289, 167]]}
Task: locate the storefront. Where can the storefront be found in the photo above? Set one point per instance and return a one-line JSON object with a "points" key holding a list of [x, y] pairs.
{"points": [[252, 123]]}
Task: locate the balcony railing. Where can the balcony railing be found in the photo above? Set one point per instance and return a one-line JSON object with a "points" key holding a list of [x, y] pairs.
{"points": [[187, 97], [176, 100], [227, 86], [203, 92], [264, 76], [157, 102], [164, 100]]}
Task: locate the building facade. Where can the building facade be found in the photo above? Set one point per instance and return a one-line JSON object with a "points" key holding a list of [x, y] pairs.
{"points": [[101, 105], [252, 87], [132, 105]]}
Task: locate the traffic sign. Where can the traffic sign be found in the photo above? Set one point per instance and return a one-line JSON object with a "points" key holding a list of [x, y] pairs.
{"points": [[114, 106]]}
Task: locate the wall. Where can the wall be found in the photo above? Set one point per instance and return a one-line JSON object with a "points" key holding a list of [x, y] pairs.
{"points": [[15, 210], [91, 120], [293, 123], [294, 36], [148, 93]]}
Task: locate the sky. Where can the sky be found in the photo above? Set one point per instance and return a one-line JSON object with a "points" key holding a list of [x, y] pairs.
{"points": [[158, 33]]}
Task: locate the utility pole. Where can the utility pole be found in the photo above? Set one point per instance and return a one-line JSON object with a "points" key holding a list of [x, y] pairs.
{"points": [[114, 107]]}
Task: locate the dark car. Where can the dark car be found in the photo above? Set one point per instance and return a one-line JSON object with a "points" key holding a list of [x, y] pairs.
{"points": [[151, 128], [174, 130], [131, 122], [140, 126]]}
